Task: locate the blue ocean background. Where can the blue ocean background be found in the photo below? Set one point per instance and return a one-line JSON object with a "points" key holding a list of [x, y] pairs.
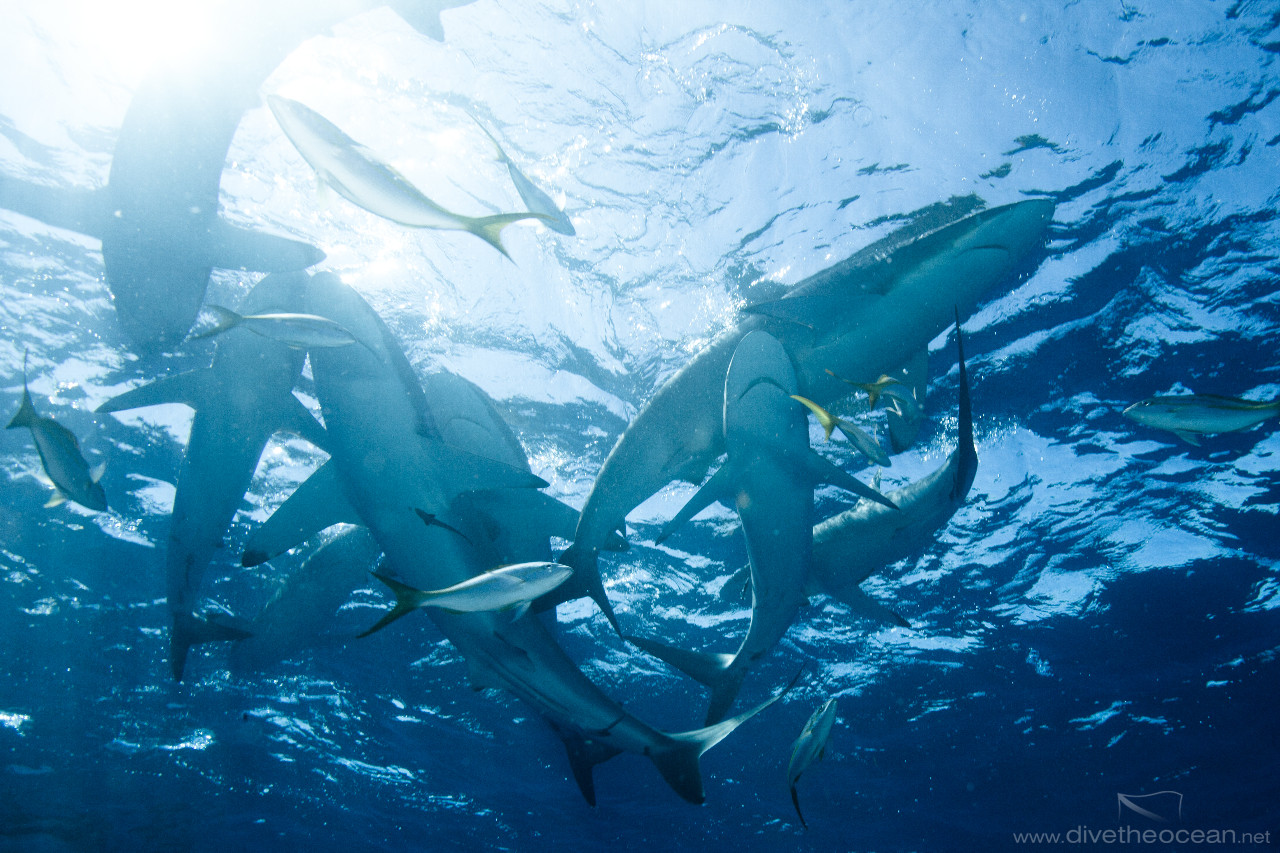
{"points": [[1101, 618]]}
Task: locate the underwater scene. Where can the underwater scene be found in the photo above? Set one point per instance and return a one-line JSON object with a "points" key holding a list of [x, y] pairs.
{"points": [[567, 425]]}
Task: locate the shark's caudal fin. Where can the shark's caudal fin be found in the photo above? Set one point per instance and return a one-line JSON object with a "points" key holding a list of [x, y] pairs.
{"points": [[407, 600], [715, 670], [189, 630], [677, 759]]}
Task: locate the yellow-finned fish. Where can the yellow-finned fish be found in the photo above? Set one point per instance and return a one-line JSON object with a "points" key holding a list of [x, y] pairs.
{"points": [[1190, 416], [809, 747], [362, 178], [60, 456]]}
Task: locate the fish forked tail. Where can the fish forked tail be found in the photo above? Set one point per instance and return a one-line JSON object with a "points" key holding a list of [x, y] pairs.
{"points": [[191, 630], [407, 600], [489, 228], [713, 670], [26, 416], [677, 758], [585, 580]]}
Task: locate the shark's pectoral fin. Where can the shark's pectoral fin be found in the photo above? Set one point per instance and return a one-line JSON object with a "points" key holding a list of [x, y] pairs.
{"points": [[718, 488], [295, 418], [822, 470], [316, 504], [62, 207], [233, 248], [189, 389], [864, 605], [473, 472], [533, 508]]}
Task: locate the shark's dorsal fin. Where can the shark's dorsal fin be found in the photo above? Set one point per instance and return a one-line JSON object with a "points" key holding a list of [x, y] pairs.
{"points": [[316, 504], [234, 248], [718, 488], [189, 389]]}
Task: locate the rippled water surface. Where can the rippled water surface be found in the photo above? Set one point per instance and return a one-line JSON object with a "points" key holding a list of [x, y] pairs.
{"points": [[1099, 619]]}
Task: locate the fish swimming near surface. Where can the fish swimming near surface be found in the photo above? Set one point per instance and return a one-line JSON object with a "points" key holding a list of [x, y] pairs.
{"points": [[388, 457], [769, 477], [849, 547], [243, 398], [534, 198], [866, 445], [362, 178], [505, 588], [1190, 416], [158, 217], [60, 456], [870, 314], [300, 331], [809, 748]]}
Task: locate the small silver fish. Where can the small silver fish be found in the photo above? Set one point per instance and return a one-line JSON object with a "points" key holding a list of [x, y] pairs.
{"points": [[60, 456], [1190, 416], [809, 747], [505, 588], [300, 331], [362, 178], [536, 200]]}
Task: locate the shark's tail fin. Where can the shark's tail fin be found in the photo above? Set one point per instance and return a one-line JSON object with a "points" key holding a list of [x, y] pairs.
{"points": [[489, 228], [191, 630], [586, 580], [677, 758], [407, 601], [716, 671]]}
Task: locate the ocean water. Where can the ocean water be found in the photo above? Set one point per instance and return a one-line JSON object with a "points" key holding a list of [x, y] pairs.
{"points": [[1098, 621]]}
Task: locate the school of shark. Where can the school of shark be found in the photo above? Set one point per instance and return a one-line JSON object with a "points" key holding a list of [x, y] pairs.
{"points": [[427, 492]]}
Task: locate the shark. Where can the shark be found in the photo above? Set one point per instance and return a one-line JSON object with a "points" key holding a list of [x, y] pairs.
{"points": [[388, 465], [240, 400], [158, 214], [869, 315], [809, 748], [849, 547], [60, 456], [769, 477]]}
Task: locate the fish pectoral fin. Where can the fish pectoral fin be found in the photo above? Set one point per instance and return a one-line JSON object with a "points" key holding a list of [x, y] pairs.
{"points": [[1188, 437], [718, 488], [316, 504], [231, 247], [55, 499]]}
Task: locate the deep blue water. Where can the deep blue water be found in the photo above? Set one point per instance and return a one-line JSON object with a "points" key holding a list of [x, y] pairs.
{"points": [[1099, 619]]}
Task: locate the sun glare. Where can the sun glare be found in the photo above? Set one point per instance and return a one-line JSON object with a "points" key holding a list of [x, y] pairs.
{"points": [[126, 38]]}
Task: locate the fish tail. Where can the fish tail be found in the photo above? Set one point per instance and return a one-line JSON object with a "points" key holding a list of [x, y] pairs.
{"points": [[218, 320], [795, 800], [489, 228], [407, 601], [192, 630], [26, 416]]}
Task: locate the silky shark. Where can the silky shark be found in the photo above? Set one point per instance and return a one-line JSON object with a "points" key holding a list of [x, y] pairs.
{"points": [[769, 476], [388, 460], [868, 315], [849, 547], [240, 401], [158, 216]]}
